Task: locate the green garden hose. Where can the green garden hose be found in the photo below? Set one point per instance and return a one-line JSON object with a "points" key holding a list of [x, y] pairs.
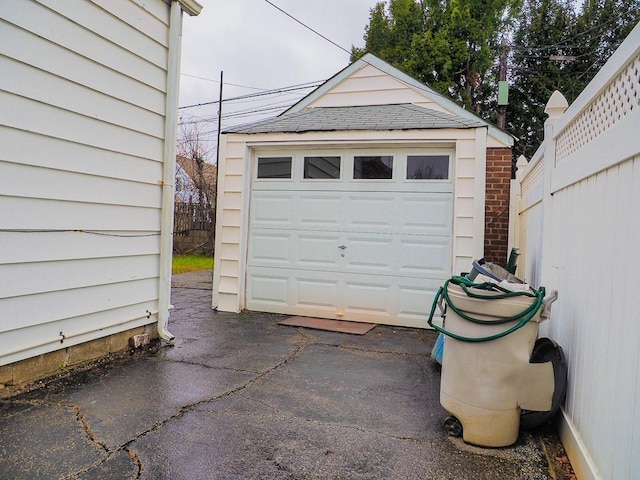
{"points": [[471, 290]]}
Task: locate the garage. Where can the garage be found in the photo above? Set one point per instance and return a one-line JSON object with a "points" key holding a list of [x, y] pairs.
{"points": [[360, 235], [358, 202]]}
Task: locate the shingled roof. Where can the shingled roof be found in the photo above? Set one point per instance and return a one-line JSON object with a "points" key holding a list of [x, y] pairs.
{"points": [[370, 117]]}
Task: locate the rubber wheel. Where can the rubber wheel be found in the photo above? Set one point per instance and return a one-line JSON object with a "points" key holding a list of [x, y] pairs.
{"points": [[452, 426], [546, 350]]}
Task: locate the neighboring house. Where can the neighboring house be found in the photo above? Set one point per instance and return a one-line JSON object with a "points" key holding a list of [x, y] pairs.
{"points": [[195, 181], [578, 229], [358, 201], [88, 117]]}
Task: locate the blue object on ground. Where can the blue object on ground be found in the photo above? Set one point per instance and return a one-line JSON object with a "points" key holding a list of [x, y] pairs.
{"points": [[438, 349]]}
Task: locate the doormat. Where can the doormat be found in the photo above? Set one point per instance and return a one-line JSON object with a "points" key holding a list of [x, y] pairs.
{"points": [[341, 326]]}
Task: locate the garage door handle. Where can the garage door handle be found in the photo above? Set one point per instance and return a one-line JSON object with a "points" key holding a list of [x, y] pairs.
{"points": [[342, 247]]}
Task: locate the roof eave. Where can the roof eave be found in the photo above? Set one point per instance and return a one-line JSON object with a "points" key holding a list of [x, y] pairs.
{"points": [[192, 7]]}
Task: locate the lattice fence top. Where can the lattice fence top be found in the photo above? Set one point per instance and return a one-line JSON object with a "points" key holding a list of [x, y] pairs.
{"points": [[615, 102]]}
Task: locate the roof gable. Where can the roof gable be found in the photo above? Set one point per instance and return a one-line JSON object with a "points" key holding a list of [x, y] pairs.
{"points": [[367, 73], [370, 94]]}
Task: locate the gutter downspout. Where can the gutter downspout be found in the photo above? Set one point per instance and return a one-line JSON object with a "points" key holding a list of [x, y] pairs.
{"points": [[168, 174]]}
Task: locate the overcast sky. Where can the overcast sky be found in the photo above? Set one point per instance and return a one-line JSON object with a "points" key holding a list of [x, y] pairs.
{"points": [[258, 46]]}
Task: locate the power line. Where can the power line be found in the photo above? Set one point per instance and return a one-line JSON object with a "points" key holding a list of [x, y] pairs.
{"points": [[218, 81], [293, 88], [252, 112], [308, 27], [560, 44], [238, 114], [196, 119]]}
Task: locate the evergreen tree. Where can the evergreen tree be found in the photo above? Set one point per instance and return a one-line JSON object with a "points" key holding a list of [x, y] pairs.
{"points": [[448, 44], [533, 76], [454, 47], [557, 48]]}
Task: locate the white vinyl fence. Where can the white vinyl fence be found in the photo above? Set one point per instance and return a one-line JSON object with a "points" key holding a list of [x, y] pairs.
{"points": [[578, 229]]}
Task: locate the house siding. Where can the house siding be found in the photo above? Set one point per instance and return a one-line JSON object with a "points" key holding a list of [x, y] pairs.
{"points": [[82, 123]]}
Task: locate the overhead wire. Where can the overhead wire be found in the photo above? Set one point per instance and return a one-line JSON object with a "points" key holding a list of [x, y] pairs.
{"points": [[292, 88], [218, 81], [308, 27], [269, 107], [561, 43]]}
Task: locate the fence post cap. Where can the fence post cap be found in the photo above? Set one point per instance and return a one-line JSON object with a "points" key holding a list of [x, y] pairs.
{"points": [[556, 105]]}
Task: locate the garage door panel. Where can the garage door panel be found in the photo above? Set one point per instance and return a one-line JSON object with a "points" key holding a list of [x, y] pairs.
{"points": [[318, 211], [296, 292], [317, 250], [272, 210], [424, 256], [370, 296], [270, 247], [267, 289], [427, 214], [356, 297], [415, 299], [372, 255], [370, 212], [316, 293]]}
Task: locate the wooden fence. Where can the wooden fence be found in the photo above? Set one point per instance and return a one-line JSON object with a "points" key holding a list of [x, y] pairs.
{"points": [[192, 216], [193, 228]]}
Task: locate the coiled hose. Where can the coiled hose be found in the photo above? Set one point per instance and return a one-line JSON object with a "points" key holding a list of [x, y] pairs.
{"points": [[471, 290]]}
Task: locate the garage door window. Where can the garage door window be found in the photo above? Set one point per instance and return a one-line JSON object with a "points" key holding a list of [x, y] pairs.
{"points": [[321, 167], [373, 167], [274, 167], [427, 167]]}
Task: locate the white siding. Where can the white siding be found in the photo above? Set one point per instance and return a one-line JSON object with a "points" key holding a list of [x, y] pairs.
{"points": [[370, 86], [580, 225], [82, 125]]}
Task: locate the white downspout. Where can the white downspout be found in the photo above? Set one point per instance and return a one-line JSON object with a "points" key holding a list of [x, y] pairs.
{"points": [[168, 176]]}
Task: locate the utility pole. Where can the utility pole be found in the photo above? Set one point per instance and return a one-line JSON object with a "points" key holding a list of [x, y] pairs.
{"points": [[219, 119], [503, 87], [215, 189]]}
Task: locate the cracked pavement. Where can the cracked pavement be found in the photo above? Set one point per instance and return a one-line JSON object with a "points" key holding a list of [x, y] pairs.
{"points": [[238, 396]]}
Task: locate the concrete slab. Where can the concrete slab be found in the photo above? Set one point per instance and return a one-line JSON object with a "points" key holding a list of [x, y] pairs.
{"points": [[238, 396]]}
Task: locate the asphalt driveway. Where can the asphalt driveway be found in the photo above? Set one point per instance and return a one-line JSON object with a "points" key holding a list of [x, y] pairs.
{"points": [[239, 397]]}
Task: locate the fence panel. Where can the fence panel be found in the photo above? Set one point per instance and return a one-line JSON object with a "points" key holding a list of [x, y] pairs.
{"points": [[581, 237], [190, 216]]}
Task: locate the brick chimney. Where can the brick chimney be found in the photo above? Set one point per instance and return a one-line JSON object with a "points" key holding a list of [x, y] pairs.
{"points": [[496, 223]]}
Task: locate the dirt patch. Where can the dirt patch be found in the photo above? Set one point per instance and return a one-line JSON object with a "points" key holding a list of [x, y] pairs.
{"points": [[559, 463]]}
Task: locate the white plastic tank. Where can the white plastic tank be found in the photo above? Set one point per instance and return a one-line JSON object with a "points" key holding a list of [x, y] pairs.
{"points": [[484, 384]]}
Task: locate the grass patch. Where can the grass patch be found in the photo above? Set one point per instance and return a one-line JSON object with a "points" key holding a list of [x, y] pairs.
{"points": [[190, 263]]}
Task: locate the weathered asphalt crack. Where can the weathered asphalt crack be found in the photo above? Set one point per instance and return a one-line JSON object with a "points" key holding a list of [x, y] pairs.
{"points": [[136, 461], [204, 365], [87, 428], [126, 447], [109, 453], [369, 350]]}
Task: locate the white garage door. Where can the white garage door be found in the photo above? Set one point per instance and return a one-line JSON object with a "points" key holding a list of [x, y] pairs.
{"points": [[353, 235]]}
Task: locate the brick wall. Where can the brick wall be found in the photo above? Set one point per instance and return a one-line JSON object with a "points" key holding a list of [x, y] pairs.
{"points": [[496, 226]]}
